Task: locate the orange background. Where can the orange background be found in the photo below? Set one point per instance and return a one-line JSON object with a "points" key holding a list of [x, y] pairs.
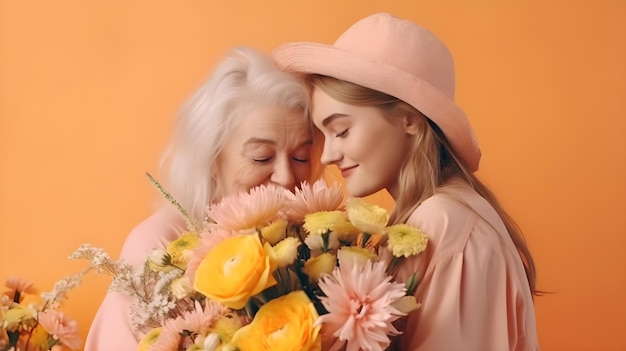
{"points": [[89, 90]]}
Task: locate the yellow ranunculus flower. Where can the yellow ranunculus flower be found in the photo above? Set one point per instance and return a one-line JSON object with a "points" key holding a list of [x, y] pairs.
{"points": [[369, 218], [235, 270], [316, 266], [285, 323], [275, 232], [149, 339], [405, 240]]}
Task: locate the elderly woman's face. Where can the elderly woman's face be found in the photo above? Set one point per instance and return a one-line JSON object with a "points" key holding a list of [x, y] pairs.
{"points": [[270, 145]]}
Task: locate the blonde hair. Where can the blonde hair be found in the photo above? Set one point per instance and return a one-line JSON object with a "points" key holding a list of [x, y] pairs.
{"points": [[429, 164]]}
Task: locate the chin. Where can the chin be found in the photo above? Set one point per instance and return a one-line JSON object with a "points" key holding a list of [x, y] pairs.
{"points": [[359, 191]]}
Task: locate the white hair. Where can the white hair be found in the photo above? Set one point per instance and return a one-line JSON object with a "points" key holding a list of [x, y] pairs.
{"points": [[243, 79]]}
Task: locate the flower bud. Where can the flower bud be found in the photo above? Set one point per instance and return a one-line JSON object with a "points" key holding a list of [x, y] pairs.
{"points": [[160, 258], [274, 232], [211, 342], [286, 251], [315, 267]]}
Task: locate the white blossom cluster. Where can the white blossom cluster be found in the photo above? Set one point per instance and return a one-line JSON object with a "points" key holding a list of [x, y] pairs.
{"points": [[153, 298], [53, 299], [153, 301]]}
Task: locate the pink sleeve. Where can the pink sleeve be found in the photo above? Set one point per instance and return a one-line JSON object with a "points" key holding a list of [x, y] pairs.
{"points": [[111, 329], [472, 294]]}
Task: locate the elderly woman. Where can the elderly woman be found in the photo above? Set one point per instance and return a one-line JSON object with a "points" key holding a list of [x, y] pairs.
{"points": [[245, 127]]}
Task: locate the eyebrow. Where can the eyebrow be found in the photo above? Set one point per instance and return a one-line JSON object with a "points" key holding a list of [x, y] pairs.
{"points": [[255, 140], [332, 117]]}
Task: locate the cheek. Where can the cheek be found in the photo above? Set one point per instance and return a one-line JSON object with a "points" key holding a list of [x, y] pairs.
{"points": [[301, 172], [241, 175], [249, 175]]}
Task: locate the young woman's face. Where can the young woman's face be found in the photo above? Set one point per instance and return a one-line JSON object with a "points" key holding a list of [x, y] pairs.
{"points": [[270, 145], [367, 147]]}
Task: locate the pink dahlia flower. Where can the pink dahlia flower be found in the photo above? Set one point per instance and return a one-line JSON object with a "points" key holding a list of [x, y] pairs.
{"points": [[61, 328], [19, 285], [199, 321], [360, 306], [249, 210], [314, 198]]}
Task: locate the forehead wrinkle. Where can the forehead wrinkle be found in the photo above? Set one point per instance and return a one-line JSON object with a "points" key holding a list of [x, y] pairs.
{"points": [[256, 140]]}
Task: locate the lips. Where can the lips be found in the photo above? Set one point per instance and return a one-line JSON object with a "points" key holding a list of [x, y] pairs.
{"points": [[347, 171]]}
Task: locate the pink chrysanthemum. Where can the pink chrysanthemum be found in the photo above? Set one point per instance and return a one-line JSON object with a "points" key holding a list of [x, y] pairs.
{"points": [[360, 312], [200, 321], [249, 210], [314, 198], [61, 328], [210, 238], [19, 285]]}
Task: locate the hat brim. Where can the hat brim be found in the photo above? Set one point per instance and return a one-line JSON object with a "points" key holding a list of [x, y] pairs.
{"points": [[316, 58]]}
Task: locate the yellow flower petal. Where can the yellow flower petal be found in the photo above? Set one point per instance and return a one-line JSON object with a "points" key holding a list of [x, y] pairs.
{"points": [[316, 266], [179, 248], [275, 232], [319, 223], [149, 339], [235, 270], [405, 240], [286, 251], [357, 255], [226, 326], [368, 218], [406, 304], [284, 323]]}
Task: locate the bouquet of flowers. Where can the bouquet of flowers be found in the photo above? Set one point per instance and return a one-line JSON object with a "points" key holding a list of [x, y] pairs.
{"points": [[272, 270], [37, 326]]}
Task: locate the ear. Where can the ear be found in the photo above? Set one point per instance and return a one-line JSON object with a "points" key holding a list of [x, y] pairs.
{"points": [[410, 122]]}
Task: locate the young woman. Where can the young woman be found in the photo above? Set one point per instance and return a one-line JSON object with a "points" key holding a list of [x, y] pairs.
{"points": [[246, 126], [383, 96]]}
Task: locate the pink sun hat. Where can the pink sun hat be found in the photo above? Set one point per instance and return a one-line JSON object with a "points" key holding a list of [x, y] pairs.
{"points": [[396, 57]]}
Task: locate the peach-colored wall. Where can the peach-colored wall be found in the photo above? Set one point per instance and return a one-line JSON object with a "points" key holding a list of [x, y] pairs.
{"points": [[89, 89]]}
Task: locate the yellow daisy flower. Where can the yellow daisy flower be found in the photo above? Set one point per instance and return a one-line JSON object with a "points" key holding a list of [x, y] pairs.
{"points": [[405, 240], [322, 222], [181, 248], [226, 326]]}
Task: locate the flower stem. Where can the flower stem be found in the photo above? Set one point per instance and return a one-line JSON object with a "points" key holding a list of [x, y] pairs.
{"points": [[365, 239], [192, 224]]}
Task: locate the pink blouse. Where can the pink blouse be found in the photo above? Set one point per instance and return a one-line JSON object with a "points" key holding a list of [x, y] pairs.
{"points": [[112, 329], [474, 292]]}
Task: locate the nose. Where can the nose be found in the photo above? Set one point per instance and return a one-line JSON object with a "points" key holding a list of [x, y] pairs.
{"points": [[283, 174], [330, 154]]}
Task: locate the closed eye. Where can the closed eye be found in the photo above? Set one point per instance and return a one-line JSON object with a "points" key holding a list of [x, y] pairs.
{"points": [[301, 160], [342, 134], [262, 160]]}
